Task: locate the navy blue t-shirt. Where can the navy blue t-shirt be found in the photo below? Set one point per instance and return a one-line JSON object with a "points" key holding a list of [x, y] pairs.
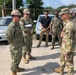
{"points": [[45, 21]]}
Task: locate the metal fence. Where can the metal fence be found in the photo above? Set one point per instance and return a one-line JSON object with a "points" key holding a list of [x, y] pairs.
{"points": [[34, 12]]}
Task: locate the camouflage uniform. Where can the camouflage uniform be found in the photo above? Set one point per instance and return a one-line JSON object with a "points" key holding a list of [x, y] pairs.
{"points": [[56, 29], [27, 35], [74, 21], [67, 48], [68, 44], [64, 23], [16, 42]]}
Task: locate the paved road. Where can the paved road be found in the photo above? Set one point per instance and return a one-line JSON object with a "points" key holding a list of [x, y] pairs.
{"points": [[46, 60]]}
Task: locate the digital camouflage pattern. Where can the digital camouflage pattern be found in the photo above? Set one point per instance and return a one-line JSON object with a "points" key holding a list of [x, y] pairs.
{"points": [[64, 23], [16, 42], [56, 23], [68, 47], [75, 30], [56, 29], [27, 35]]}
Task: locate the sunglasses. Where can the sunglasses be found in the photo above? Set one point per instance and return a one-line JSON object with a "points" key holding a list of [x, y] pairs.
{"points": [[27, 14], [18, 16], [46, 14]]}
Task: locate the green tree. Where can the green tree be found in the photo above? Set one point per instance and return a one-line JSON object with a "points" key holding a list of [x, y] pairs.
{"points": [[59, 8], [1, 2], [8, 3], [35, 6], [69, 6], [72, 6], [50, 9]]}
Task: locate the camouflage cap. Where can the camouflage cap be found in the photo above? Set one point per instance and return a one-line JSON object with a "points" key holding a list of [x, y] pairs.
{"points": [[64, 10], [27, 11], [15, 12]]}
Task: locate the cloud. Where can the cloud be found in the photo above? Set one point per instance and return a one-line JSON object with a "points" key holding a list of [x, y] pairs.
{"points": [[52, 3], [66, 2], [57, 3]]}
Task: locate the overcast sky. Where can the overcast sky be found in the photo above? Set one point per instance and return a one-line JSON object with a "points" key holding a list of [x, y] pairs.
{"points": [[57, 3]]}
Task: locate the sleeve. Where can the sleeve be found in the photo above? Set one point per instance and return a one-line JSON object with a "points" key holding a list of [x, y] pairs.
{"points": [[32, 23], [41, 20], [75, 35], [75, 31], [51, 22], [70, 36], [61, 24], [69, 30], [63, 30], [10, 33]]}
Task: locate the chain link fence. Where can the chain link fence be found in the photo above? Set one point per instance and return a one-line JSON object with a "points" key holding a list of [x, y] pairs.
{"points": [[34, 12]]}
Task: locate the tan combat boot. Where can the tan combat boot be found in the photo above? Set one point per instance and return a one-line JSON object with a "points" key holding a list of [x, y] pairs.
{"points": [[52, 47], [59, 70], [14, 73], [25, 60], [31, 57], [20, 69]]}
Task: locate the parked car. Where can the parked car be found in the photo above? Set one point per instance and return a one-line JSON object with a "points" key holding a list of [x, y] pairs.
{"points": [[38, 27], [4, 22]]}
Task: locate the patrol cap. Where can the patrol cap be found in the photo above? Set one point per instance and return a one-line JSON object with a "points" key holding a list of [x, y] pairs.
{"points": [[27, 11], [64, 10], [15, 12]]}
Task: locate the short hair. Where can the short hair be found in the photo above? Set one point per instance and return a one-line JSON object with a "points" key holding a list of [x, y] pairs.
{"points": [[56, 13], [45, 11]]}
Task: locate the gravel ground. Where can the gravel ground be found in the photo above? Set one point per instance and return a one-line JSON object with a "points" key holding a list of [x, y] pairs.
{"points": [[46, 60]]}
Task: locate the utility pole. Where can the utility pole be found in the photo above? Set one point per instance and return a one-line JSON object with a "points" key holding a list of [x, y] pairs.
{"points": [[34, 13], [2, 10], [13, 4]]}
